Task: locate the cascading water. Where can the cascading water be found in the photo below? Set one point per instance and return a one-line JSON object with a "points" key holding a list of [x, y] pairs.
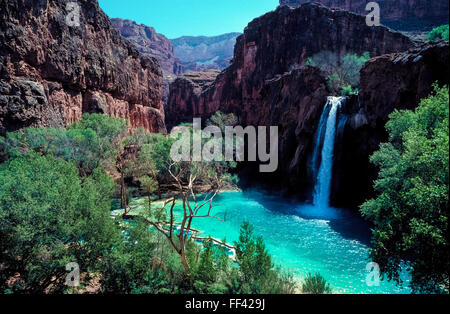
{"points": [[323, 183]]}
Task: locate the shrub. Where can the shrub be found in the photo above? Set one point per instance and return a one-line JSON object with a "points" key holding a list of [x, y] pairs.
{"points": [[316, 285], [348, 91], [439, 33], [49, 216]]}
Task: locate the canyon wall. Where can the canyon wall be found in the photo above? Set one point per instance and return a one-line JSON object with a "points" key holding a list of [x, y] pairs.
{"points": [[153, 44], [185, 97], [399, 14], [294, 102], [53, 69], [282, 40]]}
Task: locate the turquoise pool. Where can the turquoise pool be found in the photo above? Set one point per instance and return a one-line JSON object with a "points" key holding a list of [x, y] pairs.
{"points": [[300, 238]]}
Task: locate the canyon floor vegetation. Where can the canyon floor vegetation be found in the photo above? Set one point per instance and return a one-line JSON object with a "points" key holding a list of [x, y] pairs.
{"points": [[56, 192]]}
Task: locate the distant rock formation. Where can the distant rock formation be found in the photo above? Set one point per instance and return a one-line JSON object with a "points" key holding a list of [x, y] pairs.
{"points": [[51, 73], [149, 42], [398, 14], [204, 53], [185, 97]]}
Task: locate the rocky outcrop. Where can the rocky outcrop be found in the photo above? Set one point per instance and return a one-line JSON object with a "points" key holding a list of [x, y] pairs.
{"points": [[399, 14], [390, 82], [202, 53], [151, 43], [186, 97], [400, 80], [53, 68]]}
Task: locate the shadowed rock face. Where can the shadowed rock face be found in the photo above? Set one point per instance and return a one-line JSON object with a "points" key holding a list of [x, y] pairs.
{"points": [[51, 73], [399, 14], [389, 82], [185, 97], [201, 53], [294, 102]]}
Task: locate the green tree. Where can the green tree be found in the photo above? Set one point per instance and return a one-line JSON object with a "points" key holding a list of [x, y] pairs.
{"points": [[152, 159], [222, 120], [110, 130], [149, 186], [49, 217], [410, 213], [188, 176], [255, 263], [439, 33], [126, 267], [206, 270]]}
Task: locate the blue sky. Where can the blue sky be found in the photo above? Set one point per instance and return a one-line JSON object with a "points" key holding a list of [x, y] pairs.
{"points": [[175, 18]]}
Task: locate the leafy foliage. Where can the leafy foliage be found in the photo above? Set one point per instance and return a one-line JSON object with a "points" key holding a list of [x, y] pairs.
{"points": [[49, 216], [342, 72], [257, 273], [316, 284], [90, 143], [439, 33], [410, 214], [55, 202]]}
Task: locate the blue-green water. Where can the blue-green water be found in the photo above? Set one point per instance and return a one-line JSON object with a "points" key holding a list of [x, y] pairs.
{"points": [[300, 239]]}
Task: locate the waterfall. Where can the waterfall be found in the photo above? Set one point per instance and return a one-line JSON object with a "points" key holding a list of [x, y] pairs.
{"points": [[326, 141]]}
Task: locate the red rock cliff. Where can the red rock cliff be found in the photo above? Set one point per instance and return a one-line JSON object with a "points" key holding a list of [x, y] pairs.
{"points": [[153, 44], [279, 41], [50, 72], [186, 97], [404, 12]]}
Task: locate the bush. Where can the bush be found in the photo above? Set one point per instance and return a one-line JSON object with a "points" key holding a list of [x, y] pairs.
{"points": [[256, 269], [348, 91], [439, 33], [316, 285]]}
